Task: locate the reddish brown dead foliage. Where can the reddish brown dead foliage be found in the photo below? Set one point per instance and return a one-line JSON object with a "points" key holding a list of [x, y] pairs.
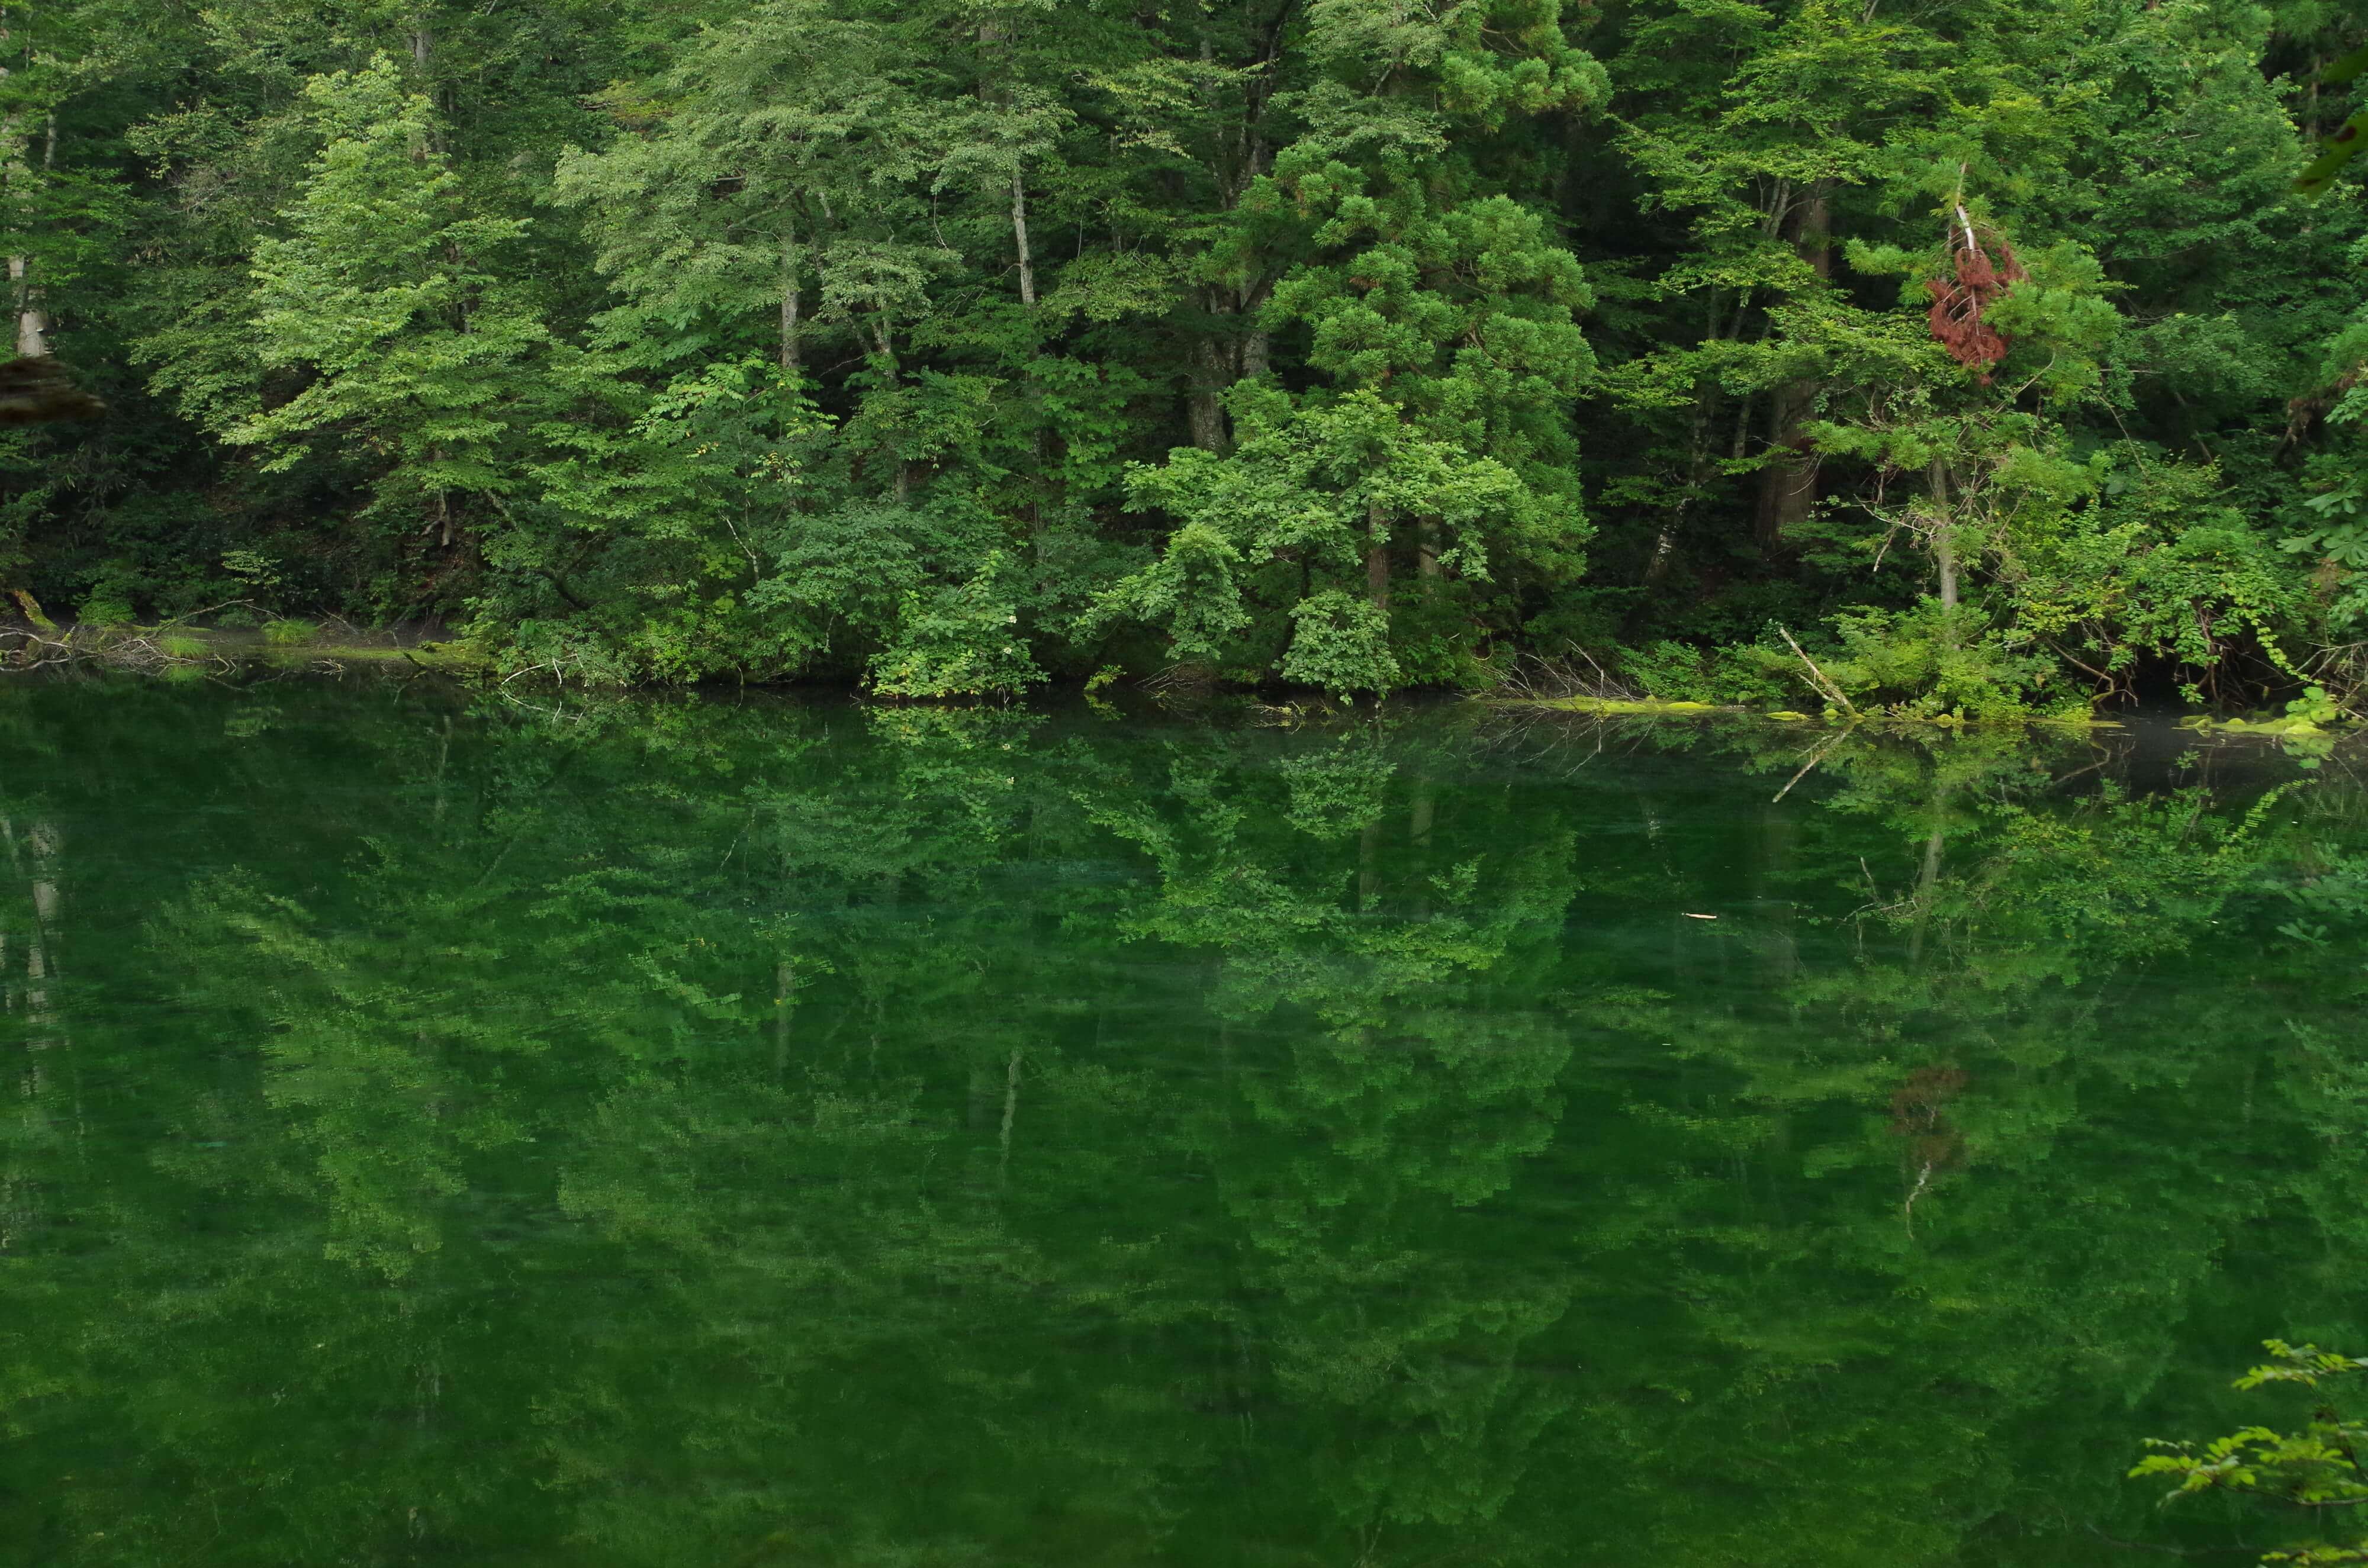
{"points": [[1919, 1115], [1961, 300]]}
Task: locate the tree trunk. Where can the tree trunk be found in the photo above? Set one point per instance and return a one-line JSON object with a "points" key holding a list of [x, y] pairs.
{"points": [[1944, 535], [32, 325], [1254, 353], [1665, 543], [1788, 486], [32, 322], [790, 300], [1706, 412], [1020, 239], [1377, 558], [1204, 408]]}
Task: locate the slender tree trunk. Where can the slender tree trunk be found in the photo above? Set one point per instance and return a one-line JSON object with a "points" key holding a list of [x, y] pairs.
{"points": [[790, 300], [785, 980], [1377, 558], [1020, 240], [991, 38], [1665, 543], [1706, 410], [1204, 408], [32, 325], [1219, 356], [423, 54], [1944, 535], [32, 322], [901, 478], [1788, 486], [1255, 352], [1426, 550]]}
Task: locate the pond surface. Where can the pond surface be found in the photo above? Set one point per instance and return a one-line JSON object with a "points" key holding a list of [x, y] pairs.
{"points": [[714, 1132]]}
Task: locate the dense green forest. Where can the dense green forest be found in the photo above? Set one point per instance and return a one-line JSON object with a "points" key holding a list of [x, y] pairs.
{"points": [[1981, 347]]}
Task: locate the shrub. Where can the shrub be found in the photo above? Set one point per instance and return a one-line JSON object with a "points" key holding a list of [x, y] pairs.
{"points": [[286, 631], [1930, 660], [1678, 672]]}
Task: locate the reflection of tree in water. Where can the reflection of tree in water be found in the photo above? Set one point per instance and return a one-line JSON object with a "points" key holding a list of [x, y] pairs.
{"points": [[2033, 1015], [1408, 932], [928, 1137]]}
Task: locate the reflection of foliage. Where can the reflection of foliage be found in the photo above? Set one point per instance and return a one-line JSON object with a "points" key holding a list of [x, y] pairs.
{"points": [[780, 1133]]}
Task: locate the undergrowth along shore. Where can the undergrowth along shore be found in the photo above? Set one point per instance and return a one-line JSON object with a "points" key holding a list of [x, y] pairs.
{"points": [[2291, 726], [2309, 724]]}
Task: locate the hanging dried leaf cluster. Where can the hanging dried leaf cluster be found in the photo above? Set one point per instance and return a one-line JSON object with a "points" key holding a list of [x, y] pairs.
{"points": [[1961, 301]]}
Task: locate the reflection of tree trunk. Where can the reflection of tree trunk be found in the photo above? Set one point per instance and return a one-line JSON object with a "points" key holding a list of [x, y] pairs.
{"points": [[1369, 863], [784, 981], [1929, 881], [982, 1099], [1771, 870], [443, 762], [46, 850], [1419, 833], [1010, 1113], [41, 942]]}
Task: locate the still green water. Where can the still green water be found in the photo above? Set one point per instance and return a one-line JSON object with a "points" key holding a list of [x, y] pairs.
{"points": [[435, 1131]]}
